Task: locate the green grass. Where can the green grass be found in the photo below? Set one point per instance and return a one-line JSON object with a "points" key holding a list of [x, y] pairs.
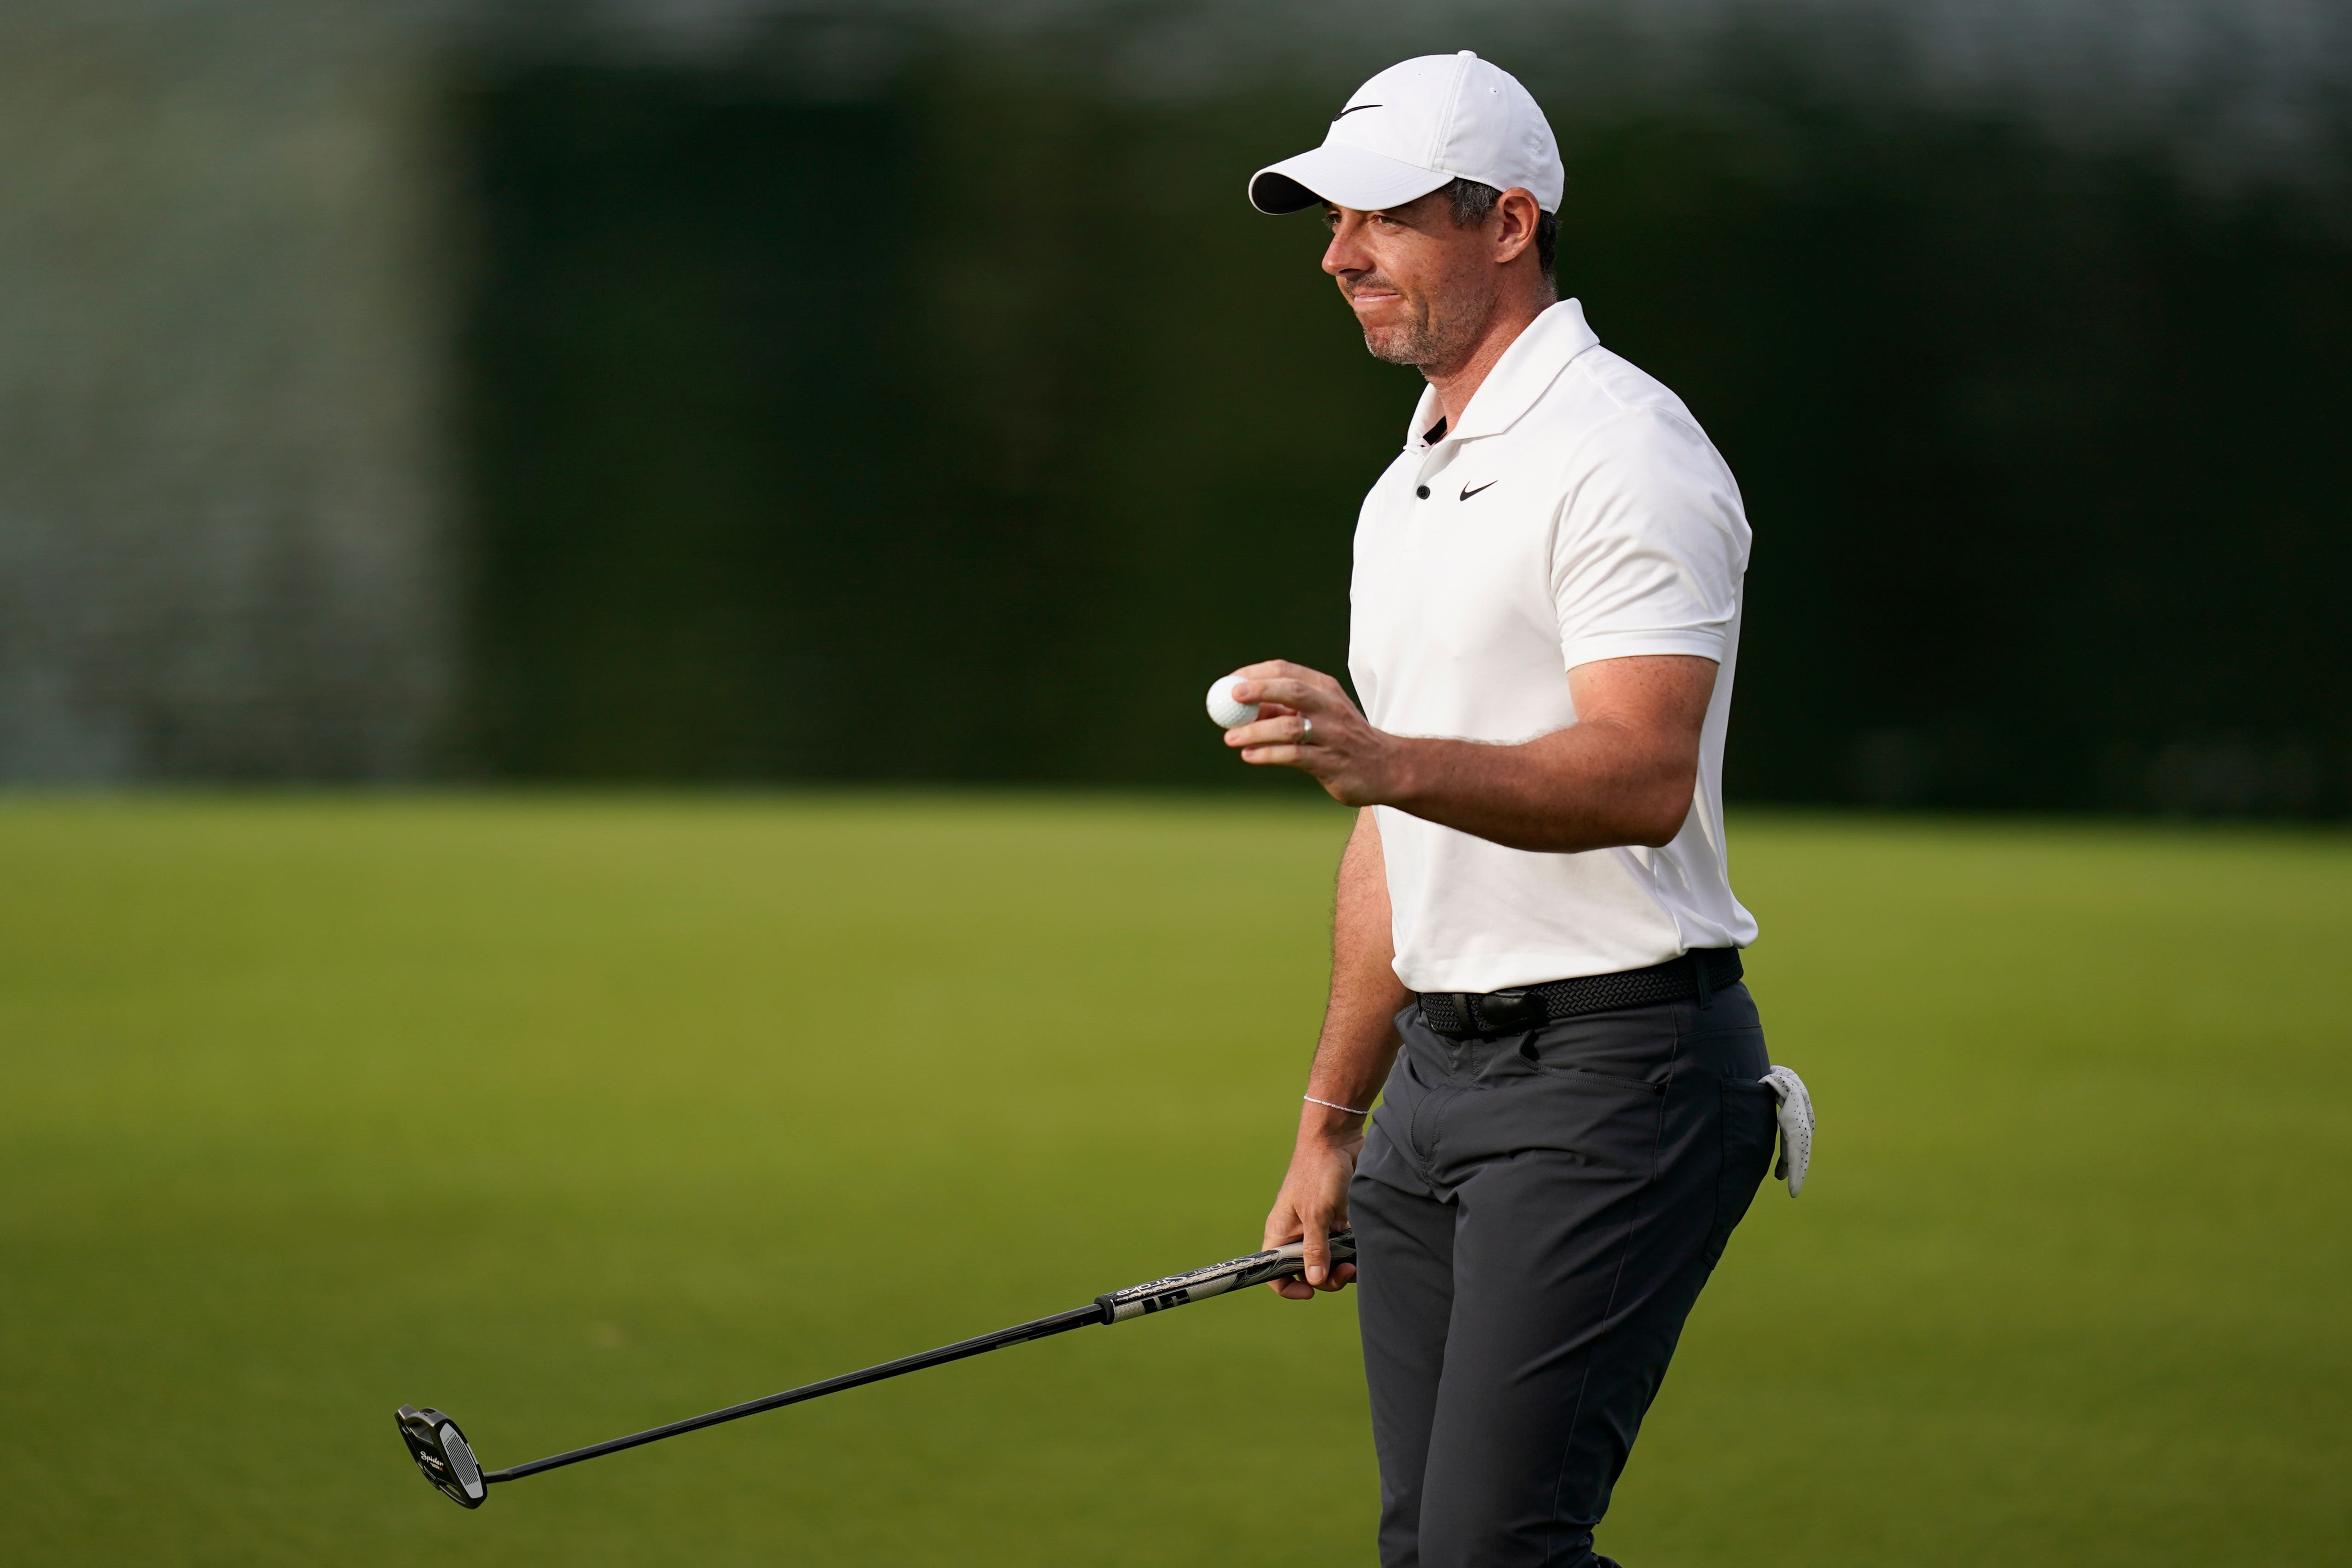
{"points": [[573, 1115]]}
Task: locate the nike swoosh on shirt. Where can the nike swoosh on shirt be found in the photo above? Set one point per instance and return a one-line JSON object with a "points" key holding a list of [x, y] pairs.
{"points": [[1467, 493], [1354, 108]]}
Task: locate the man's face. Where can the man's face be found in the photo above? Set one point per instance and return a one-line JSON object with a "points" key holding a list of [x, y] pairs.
{"points": [[1420, 286]]}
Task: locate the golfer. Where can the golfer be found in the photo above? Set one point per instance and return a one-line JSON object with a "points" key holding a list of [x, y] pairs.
{"points": [[1536, 959]]}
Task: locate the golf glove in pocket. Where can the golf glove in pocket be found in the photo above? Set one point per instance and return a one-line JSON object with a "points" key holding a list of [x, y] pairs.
{"points": [[1796, 1115]]}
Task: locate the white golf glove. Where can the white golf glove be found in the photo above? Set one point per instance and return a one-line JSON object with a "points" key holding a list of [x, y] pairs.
{"points": [[1796, 1115]]}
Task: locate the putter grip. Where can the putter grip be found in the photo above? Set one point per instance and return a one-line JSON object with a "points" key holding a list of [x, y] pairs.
{"points": [[1216, 1279]]}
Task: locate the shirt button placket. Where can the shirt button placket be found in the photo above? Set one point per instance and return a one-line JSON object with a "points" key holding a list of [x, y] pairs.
{"points": [[1433, 462]]}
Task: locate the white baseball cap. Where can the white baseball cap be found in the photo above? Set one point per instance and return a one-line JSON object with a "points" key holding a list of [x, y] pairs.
{"points": [[1415, 127]]}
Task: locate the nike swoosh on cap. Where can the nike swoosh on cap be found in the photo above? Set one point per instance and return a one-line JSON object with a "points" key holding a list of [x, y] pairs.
{"points": [[1354, 108], [1467, 493]]}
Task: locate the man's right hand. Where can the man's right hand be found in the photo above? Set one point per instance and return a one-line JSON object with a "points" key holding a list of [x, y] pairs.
{"points": [[1313, 1203]]}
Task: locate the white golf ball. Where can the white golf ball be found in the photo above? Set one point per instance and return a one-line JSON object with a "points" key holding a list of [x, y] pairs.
{"points": [[1225, 709]]}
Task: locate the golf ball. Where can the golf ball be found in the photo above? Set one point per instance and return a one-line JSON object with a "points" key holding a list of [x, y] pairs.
{"points": [[1225, 709]]}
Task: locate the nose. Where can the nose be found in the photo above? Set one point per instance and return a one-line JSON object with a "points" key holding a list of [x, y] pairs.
{"points": [[1345, 254]]}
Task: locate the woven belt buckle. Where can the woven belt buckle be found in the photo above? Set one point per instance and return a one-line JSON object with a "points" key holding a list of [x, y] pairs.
{"points": [[1506, 1012]]}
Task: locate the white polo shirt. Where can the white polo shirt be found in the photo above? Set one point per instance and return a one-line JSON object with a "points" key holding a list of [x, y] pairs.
{"points": [[1577, 514]]}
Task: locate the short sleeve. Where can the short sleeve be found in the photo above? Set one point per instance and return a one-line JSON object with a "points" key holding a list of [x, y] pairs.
{"points": [[1651, 543]]}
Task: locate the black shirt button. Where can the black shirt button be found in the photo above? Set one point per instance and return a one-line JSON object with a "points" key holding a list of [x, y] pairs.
{"points": [[1422, 492]]}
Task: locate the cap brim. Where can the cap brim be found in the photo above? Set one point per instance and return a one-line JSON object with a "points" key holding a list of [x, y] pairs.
{"points": [[1344, 176]]}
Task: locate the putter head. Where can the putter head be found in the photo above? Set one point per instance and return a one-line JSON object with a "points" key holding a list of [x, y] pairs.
{"points": [[442, 1452]]}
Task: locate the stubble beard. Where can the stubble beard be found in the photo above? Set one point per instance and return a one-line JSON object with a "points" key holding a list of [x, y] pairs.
{"points": [[1437, 336]]}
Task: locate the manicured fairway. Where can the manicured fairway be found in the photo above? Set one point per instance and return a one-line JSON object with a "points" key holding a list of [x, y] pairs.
{"points": [[571, 1115]]}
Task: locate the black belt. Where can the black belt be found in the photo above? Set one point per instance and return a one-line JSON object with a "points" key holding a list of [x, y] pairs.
{"points": [[1700, 973]]}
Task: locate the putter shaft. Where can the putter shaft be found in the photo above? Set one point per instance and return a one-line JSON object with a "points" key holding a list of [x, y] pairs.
{"points": [[1060, 1322], [441, 1451]]}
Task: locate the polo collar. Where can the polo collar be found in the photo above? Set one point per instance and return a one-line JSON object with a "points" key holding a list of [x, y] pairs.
{"points": [[1526, 371]]}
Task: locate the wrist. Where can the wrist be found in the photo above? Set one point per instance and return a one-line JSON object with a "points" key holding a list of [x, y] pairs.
{"points": [[1328, 1127], [1400, 770]]}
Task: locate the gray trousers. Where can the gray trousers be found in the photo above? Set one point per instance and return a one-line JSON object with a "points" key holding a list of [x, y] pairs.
{"points": [[1534, 1217]]}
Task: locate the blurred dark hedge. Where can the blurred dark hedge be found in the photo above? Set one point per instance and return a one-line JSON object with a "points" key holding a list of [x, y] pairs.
{"points": [[967, 427]]}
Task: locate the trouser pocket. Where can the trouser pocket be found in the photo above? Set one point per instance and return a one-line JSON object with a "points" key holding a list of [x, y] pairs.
{"points": [[1747, 1122]]}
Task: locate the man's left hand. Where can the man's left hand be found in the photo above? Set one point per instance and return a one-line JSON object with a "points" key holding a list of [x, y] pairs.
{"points": [[1306, 720]]}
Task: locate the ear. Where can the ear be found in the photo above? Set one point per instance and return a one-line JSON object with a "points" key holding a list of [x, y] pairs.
{"points": [[1512, 224]]}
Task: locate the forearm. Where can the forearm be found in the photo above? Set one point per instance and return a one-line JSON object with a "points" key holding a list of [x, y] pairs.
{"points": [[1351, 1058], [1590, 787], [1358, 1038], [1625, 773]]}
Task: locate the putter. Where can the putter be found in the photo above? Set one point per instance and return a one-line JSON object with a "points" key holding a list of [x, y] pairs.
{"points": [[441, 1451]]}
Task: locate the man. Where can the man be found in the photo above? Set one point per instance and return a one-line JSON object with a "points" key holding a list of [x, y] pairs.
{"points": [[1536, 950]]}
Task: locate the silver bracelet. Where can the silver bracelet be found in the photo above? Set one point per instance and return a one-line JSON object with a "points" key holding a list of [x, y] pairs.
{"points": [[1334, 1104]]}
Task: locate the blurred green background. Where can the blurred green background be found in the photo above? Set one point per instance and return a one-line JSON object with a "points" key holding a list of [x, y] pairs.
{"points": [[573, 1115], [634, 390], [2038, 439]]}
